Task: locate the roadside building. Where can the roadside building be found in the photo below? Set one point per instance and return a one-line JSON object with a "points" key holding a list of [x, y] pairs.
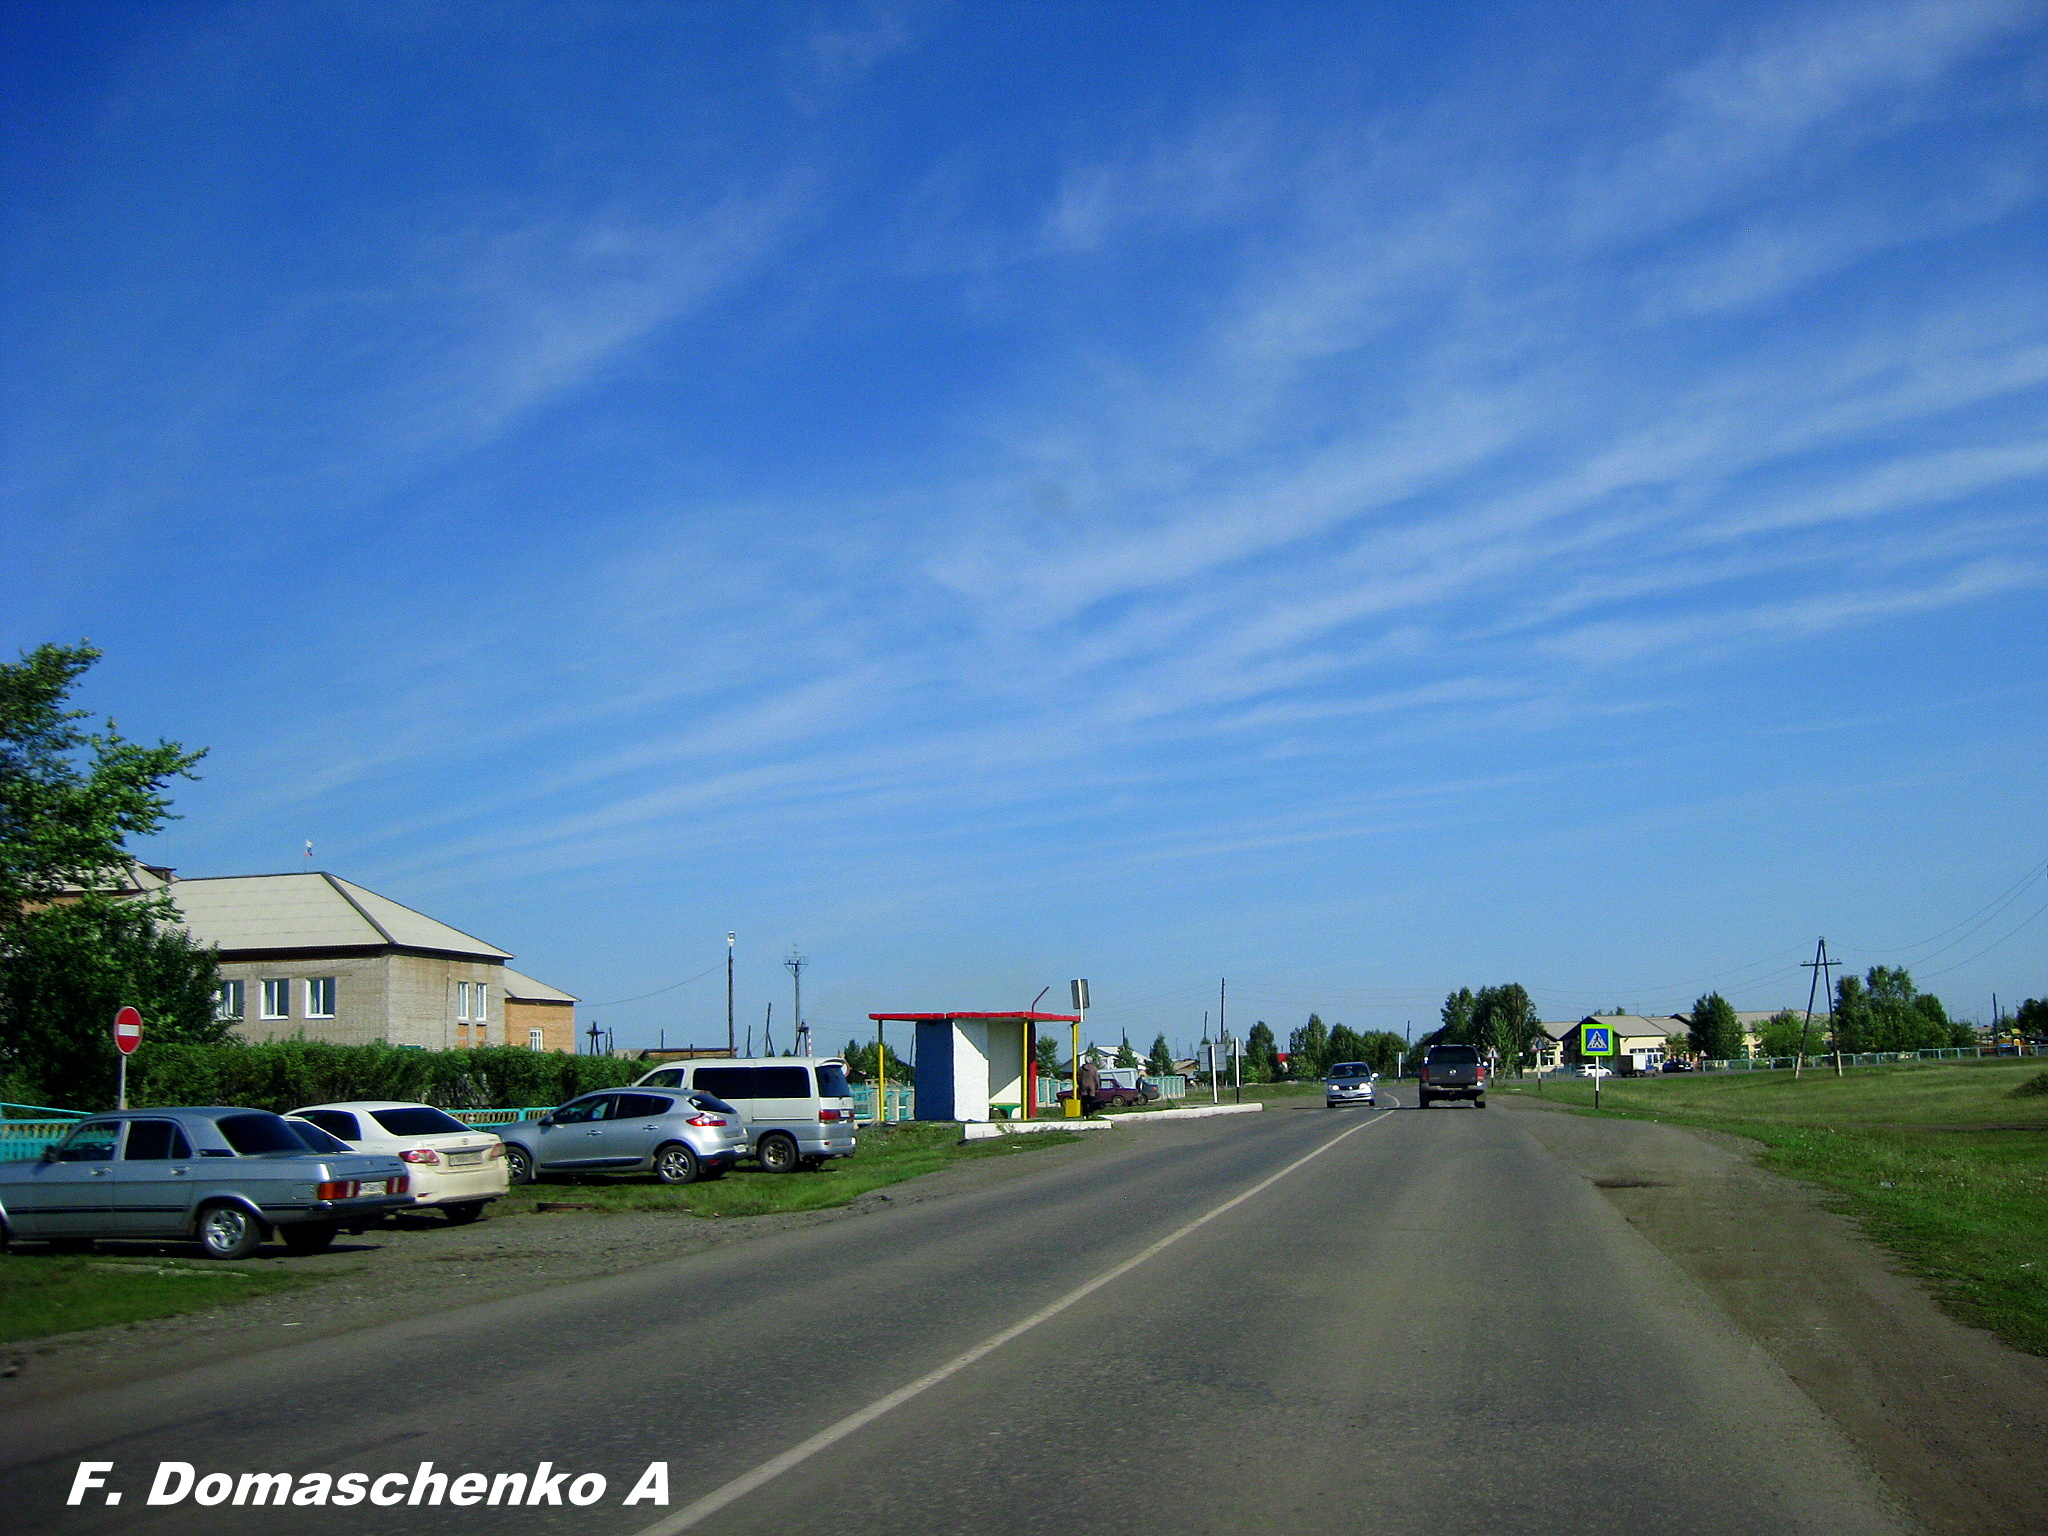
{"points": [[315, 956]]}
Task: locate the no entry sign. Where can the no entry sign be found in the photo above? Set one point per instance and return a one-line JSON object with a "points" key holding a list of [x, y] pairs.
{"points": [[127, 1030]]}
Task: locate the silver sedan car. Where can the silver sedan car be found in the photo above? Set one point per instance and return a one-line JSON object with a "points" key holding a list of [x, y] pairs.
{"points": [[222, 1176], [679, 1135]]}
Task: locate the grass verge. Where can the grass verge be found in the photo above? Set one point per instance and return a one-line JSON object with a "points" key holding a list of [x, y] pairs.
{"points": [[887, 1155], [42, 1294], [1941, 1162]]}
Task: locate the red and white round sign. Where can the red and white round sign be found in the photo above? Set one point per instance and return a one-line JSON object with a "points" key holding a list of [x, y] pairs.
{"points": [[127, 1030]]}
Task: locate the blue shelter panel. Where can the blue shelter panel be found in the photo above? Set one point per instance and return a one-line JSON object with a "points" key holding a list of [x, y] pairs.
{"points": [[934, 1061]]}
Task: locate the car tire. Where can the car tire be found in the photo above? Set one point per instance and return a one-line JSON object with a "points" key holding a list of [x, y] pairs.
{"points": [[227, 1232], [463, 1212], [777, 1153], [1423, 1101], [675, 1163], [1479, 1103], [308, 1236], [518, 1163]]}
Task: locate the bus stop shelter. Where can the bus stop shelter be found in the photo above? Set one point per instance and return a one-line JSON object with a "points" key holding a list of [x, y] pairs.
{"points": [[976, 1066]]}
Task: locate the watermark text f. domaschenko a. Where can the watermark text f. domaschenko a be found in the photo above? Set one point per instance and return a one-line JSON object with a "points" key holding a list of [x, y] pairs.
{"points": [[177, 1482]]}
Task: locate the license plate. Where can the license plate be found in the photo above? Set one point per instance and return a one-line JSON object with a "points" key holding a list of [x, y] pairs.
{"points": [[375, 1186], [464, 1159]]}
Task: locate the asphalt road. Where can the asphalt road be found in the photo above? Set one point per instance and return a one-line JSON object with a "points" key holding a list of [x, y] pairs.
{"points": [[1429, 1325]]}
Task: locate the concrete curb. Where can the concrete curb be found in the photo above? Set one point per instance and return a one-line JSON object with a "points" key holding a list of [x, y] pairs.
{"points": [[988, 1130], [1143, 1117]]}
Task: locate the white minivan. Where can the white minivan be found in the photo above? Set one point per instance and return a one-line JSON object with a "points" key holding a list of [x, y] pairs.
{"points": [[799, 1108]]}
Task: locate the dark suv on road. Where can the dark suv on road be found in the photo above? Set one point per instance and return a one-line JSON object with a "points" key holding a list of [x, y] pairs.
{"points": [[1452, 1072]]}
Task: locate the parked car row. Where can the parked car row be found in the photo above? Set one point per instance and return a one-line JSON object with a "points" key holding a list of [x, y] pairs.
{"points": [[227, 1177]]}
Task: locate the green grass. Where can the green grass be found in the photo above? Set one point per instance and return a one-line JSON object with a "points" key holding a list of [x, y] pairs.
{"points": [[42, 1294], [1944, 1163], [887, 1155]]}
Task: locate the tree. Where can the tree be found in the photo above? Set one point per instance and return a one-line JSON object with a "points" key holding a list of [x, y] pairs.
{"points": [[1502, 1019], [71, 952], [1160, 1061], [1715, 1033], [1261, 1054], [2031, 1018], [1046, 1052], [1346, 1044], [1382, 1048], [64, 970], [1782, 1033], [1457, 1014], [1308, 1050], [1125, 1056], [69, 800], [1886, 1012]]}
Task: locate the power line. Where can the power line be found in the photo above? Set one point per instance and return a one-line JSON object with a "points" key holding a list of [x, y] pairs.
{"points": [[1991, 946], [658, 990]]}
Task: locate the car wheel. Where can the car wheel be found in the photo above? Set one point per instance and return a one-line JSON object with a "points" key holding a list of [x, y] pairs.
{"points": [[1479, 1103], [308, 1236], [1422, 1102], [463, 1212], [676, 1164], [228, 1232], [777, 1153], [518, 1163]]}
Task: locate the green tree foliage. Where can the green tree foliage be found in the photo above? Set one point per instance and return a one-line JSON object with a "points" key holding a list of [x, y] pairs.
{"points": [[1345, 1044], [860, 1061], [2031, 1018], [1383, 1049], [1783, 1031], [1160, 1061], [1503, 1020], [1458, 1013], [1125, 1056], [1886, 1012], [1715, 1032], [1046, 1052], [65, 970], [1308, 1050], [1261, 1054], [69, 799]]}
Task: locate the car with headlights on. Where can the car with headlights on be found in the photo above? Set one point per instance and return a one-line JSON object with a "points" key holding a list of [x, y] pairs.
{"points": [[457, 1169], [679, 1135], [222, 1176], [1350, 1082]]}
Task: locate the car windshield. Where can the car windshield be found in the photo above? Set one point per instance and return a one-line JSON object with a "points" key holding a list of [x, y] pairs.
{"points": [[1351, 1069], [253, 1133], [418, 1120], [317, 1140]]}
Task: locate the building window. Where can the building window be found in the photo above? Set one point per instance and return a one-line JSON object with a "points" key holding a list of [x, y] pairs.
{"points": [[477, 1003], [320, 997], [277, 998], [534, 1038], [462, 1000], [228, 1002]]}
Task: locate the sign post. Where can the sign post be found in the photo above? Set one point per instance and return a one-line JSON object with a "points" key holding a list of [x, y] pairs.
{"points": [[127, 1036], [1078, 991], [1596, 1040]]}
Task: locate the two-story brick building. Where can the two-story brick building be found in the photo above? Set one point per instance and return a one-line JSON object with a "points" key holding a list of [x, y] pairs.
{"points": [[315, 955]]}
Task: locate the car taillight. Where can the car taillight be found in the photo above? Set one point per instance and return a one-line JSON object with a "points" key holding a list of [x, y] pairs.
{"points": [[420, 1155], [399, 1185], [704, 1120], [495, 1149], [336, 1189], [829, 1116]]}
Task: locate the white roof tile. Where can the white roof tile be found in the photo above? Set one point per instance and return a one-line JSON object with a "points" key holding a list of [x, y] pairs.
{"points": [[310, 911], [522, 988]]}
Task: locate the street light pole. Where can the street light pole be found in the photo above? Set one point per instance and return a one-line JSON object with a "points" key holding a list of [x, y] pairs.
{"points": [[731, 1039]]}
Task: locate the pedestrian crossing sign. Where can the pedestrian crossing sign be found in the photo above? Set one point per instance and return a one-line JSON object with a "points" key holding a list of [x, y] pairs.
{"points": [[1596, 1040]]}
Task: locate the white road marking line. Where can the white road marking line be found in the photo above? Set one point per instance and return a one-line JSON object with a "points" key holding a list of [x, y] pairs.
{"points": [[832, 1434]]}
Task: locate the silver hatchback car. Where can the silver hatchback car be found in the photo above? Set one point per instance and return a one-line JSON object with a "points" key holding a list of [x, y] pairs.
{"points": [[1350, 1082], [678, 1135], [223, 1176]]}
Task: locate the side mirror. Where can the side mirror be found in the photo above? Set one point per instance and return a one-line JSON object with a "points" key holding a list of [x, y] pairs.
{"points": [[49, 1154], [547, 1119]]}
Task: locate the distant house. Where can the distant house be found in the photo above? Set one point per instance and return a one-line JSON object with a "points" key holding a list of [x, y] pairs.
{"points": [[1752, 1022], [317, 956]]}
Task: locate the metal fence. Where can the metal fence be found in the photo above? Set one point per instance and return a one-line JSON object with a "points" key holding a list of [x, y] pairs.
{"points": [[1867, 1058], [901, 1104], [1173, 1085], [22, 1140]]}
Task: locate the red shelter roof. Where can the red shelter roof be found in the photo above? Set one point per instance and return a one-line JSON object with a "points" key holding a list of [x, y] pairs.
{"points": [[1007, 1013]]}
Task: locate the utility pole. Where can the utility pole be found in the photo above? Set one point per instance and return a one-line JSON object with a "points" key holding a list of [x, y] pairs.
{"points": [[767, 1034], [1823, 970], [730, 1040], [796, 964]]}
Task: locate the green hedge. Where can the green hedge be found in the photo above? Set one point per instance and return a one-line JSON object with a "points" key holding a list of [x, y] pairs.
{"points": [[282, 1075]]}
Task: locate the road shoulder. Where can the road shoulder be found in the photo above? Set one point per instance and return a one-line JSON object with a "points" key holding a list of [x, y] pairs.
{"points": [[1947, 1415]]}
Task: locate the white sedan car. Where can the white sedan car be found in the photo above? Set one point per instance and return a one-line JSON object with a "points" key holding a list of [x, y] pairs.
{"points": [[455, 1168]]}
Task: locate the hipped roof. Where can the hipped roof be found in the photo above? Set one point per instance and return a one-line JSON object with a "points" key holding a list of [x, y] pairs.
{"points": [[238, 913]]}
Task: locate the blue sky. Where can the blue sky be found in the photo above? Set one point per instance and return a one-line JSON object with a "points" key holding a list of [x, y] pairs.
{"points": [[1359, 499]]}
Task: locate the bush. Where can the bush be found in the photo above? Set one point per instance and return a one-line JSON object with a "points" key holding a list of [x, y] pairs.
{"points": [[2034, 1087], [281, 1075]]}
